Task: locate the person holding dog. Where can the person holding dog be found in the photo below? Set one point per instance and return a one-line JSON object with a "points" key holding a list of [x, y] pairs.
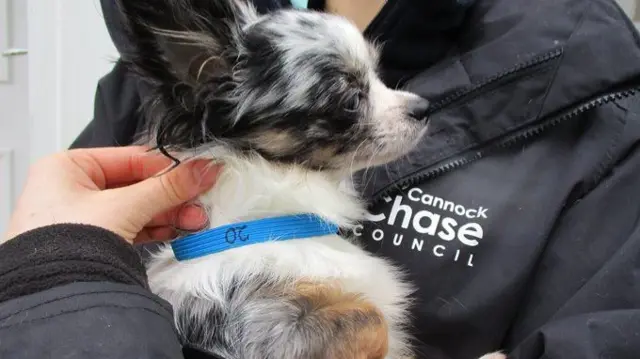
{"points": [[517, 217], [68, 252]]}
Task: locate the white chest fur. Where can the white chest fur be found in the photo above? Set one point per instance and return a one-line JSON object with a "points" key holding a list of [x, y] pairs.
{"points": [[255, 189]]}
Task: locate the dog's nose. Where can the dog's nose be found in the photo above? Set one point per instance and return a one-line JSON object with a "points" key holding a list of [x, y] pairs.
{"points": [[418, 108]]}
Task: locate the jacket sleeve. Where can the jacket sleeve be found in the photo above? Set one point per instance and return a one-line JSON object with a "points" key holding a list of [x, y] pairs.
{"points": [[75, 291], [584, 300]]}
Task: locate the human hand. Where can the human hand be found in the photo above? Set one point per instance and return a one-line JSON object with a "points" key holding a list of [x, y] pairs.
{"points": [[116, 189]]}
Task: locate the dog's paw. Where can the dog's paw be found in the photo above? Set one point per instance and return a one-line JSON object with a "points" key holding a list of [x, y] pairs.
{"points": [[496, 355]]}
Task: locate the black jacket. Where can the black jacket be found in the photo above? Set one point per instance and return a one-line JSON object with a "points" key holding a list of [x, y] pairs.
{"points": [[519, 214]]}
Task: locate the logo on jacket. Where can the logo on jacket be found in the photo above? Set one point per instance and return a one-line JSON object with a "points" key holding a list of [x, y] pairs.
{"points": [[419, 221]]}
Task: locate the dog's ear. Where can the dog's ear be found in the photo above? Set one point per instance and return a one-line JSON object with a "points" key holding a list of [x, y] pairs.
{"points": [[184, 41], [186, 50]]}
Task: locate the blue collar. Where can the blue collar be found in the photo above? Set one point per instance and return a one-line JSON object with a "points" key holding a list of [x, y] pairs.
{"points": [[246, 233]]}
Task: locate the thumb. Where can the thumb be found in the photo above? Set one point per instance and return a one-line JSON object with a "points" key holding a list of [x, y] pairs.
{"points": [[159, 194]]}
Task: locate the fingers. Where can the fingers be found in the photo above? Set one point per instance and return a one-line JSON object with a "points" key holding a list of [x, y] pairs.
{"points": [[141, 205], [188, 218], [155, 234], [192, 218], [164, 227], [157, 195], [116, 166]]}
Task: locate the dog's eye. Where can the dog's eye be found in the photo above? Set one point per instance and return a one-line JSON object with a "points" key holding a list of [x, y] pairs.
{"points": [[353, 103]]}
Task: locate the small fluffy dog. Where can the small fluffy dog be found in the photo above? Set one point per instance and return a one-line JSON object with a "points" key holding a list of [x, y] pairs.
{"points": [[291, 103]]}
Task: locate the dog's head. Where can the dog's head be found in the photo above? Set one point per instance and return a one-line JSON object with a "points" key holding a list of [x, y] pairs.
{"points": [[292, 86]]}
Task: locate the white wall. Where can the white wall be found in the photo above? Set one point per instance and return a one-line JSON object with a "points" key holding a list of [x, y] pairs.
{"points": [[49, 98], [629, 6], [14, 113], [70, 50]]}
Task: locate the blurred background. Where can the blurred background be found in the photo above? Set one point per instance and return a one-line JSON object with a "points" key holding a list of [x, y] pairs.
{"points": [[52, 54]]}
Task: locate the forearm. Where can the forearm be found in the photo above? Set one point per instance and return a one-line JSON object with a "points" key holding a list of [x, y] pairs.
{"points": [[61, 254]]}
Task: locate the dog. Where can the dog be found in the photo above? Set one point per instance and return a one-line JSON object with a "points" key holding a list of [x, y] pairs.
{"points": [[291, 104]]}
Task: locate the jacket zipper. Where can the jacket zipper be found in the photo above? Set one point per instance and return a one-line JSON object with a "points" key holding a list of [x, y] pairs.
{"points": [[499, 79], [530, 132]]}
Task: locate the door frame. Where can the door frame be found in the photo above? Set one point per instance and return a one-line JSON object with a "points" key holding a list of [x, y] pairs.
{"points": [[5, 29]]}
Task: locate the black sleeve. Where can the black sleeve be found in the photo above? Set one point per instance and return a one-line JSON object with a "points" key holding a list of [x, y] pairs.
{"points": [[56, 255], [117, 118], [75, 291], [584, 300]]}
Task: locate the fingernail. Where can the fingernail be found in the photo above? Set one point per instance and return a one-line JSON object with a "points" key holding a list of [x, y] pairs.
{"points": [[205, 173], [191, 217]]}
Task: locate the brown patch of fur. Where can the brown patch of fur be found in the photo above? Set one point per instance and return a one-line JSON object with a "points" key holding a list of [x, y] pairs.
{"points": [[358, 328], [322, 156], [275, 141]]}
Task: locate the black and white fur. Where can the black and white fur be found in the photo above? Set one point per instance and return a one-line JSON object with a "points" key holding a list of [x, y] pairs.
{"points": [[291, 104]]}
